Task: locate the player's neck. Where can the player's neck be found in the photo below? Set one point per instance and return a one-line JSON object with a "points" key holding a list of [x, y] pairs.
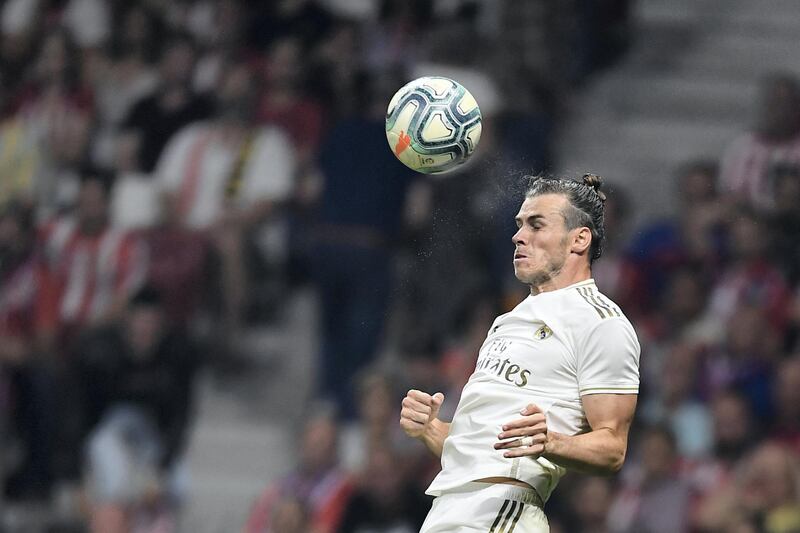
{"points": [[569, 275]]}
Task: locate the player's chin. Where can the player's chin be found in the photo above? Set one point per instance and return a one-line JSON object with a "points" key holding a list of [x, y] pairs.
{"points": [[523, 272]]}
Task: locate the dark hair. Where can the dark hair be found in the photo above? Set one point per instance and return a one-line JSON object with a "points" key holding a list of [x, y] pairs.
{"points": [[89, 173], [147, 296], [21, 213], [586, 202]]}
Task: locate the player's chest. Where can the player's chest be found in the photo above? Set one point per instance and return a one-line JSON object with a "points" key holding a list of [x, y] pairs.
{"points": [[519, 352]]}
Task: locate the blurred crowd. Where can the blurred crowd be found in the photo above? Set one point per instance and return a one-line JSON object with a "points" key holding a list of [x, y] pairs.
{"points": [[172, 172]]}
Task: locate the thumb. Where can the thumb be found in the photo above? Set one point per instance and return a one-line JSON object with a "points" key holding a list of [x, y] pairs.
{"points": [[436, 404]]}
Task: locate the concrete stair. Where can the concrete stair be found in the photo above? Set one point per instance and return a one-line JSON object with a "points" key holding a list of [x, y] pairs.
{"points": [[685, 90]]}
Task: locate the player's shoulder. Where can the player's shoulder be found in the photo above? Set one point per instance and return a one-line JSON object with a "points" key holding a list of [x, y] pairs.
{"points": [[593, 303], [586, 308]]}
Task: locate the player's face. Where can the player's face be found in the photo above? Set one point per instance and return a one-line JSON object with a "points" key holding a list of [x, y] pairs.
{"points": [[541, 242]]}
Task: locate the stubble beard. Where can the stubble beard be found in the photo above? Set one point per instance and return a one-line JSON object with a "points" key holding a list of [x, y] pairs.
{"points": [[546, 274], [551, 270]]}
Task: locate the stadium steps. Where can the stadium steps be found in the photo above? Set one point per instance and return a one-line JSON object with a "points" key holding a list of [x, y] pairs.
{"points": [[246, 423], [686, 88]]}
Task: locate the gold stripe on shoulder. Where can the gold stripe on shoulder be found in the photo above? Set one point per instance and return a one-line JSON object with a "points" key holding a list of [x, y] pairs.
{"points": [[583, 291], [605, 304]]}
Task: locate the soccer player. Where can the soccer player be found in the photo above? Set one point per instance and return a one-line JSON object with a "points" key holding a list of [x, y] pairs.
{"points": [[555, 384]]}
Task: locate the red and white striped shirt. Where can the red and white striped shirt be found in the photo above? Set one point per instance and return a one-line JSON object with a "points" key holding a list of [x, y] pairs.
{"points": [[86, 273], [746, 167]]}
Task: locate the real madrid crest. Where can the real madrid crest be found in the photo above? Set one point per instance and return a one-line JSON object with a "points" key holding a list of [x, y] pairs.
{"points": [[542, 333]]}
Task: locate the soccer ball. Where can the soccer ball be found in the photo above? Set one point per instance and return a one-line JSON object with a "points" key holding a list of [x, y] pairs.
{"points": [[433, 124]]}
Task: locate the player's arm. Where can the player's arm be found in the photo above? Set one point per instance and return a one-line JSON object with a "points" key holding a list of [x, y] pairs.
{"points": [[599, 451], [419, 419]]}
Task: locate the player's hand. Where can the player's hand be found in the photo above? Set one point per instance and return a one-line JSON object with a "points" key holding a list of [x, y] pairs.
{"points": [[419, 410], [524, 436]]}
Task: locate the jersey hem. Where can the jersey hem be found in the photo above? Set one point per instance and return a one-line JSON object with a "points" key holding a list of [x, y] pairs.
{"points": [[455, 485]]}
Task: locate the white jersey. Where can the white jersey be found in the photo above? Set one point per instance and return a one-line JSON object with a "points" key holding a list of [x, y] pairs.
{"points": [[550, 350]]}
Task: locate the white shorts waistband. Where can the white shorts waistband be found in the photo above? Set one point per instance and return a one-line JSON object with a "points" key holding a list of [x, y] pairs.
{"points": [[501, 490]]}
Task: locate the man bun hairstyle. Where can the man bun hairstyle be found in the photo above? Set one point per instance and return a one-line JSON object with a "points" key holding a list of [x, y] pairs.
{"points": [[586, 204], [595, 182]]}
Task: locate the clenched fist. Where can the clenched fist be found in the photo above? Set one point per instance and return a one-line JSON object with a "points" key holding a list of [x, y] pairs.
{"points": [[419, 411]]}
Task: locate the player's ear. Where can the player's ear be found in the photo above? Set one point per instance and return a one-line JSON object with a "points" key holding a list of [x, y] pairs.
{"points": [[581, 240]]}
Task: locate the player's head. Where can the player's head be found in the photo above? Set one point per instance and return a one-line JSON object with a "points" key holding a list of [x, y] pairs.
{"points": [[560, 220]]}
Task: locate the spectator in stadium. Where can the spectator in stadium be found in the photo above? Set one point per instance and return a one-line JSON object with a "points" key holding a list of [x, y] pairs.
{"points": [[375, 426], [785, 426], [285, 103], [154, 119], [233, 180], [359, 221], [307, 20], [746, 169], [21, 163], [122, 74], [746, 360], [763, 494], [18, 282], [317, 480], [652, 498], [589, 500], [179, 266], [384, 500], [750, 278], [784, 222], [290, 515], [675, 404], [53, 112], [138, 32], [693, 236], [136, 383], [682, 315], [91, 268], [29, 378], [769, 488], [733, 426]]}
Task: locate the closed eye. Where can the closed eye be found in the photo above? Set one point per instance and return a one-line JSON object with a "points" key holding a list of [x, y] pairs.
{"points": [[534, 221]]}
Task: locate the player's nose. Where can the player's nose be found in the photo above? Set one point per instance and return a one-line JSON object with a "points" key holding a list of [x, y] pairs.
{"points": [[519, 236]]}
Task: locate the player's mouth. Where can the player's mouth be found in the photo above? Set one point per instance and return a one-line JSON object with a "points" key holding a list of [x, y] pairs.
{"points": [[519, 256]]}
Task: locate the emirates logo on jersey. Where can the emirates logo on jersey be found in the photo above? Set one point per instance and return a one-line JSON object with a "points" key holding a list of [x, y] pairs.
{"points": [[542, 333], [513, 373]]}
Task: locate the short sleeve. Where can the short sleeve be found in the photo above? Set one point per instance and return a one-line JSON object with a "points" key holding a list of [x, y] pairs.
{"points": [[171, 167], [271, 170], [608, 363]]}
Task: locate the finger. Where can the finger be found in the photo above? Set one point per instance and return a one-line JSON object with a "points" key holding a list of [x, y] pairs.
{"points": [[517, 443], [422, 397], [530, 409], [524, 432], [532, 420], [528, 451], [410, 425], [411, 403], [416, 416]]}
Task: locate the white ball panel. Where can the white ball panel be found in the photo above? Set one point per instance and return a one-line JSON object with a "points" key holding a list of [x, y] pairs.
{"points": [[437, 128]]}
